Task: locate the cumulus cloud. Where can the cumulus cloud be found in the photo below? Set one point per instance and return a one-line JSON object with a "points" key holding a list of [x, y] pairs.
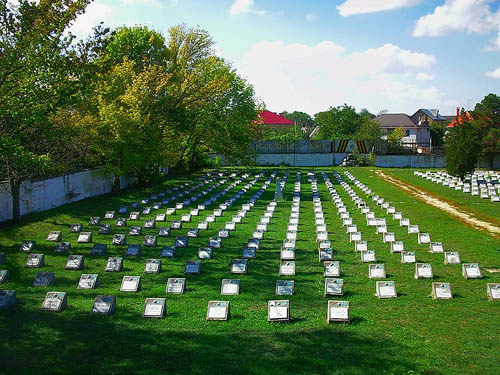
{"points": [[494, 73], [312, 78], [352, 7], [424, 76], [244, 7], [95, 13], [471, 16]]}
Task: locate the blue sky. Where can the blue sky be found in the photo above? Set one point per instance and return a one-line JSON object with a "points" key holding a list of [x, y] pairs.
{"points": [[395, 55]]}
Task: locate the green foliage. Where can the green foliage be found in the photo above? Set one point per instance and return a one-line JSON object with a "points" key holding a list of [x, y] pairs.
{"points": [[395, 136], [341, 122], [463, 146], [437, 134], [284, 135], [302, 119], [369, 131], [486, 117], [372, 158]]}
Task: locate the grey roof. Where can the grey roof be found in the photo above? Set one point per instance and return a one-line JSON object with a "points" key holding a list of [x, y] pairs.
{"points": [[395, 120], [450, 118], [432, 113]]}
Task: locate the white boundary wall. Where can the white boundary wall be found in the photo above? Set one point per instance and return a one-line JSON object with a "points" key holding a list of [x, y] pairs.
{"points": [[46, 194]]}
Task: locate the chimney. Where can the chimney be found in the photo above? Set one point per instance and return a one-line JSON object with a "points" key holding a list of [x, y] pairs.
{"points": [[458, 112]]}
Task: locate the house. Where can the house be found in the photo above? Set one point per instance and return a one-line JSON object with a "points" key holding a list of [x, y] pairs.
{"points": [[428, 116], [273, 120], [417, 133], [459, 118]]}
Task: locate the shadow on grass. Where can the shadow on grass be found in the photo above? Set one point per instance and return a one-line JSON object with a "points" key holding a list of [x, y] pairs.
{"points": [[60, 344]]}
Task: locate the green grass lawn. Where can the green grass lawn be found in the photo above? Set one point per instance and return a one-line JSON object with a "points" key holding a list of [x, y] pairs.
{"points": [[483, 209], [411, 334]]}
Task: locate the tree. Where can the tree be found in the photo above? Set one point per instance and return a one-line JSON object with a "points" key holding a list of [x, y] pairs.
{"points": [[284, 135], [437, 134], [463, 146], [486, 117], [37, 76], [369, 131], [302, 119], [339, 122]]}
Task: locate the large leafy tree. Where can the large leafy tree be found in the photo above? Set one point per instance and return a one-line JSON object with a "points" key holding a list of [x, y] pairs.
{"points": [[486, 117], [302, 119], [338, 122], [38, 75], [463, 146]]}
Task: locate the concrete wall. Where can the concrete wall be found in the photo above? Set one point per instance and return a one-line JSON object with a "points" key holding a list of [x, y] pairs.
{"points": [[296, 160], [46, 194], [410, 161]]}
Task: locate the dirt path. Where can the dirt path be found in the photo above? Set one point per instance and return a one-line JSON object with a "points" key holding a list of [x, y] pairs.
{"points": [[464, 216]]}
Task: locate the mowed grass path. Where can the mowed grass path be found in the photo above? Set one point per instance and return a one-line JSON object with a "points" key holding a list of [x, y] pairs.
{"points": [[483, 209], [411, 334]]}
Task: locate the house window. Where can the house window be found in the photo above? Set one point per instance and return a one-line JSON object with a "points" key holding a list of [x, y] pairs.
{"points": [[407, 133]]}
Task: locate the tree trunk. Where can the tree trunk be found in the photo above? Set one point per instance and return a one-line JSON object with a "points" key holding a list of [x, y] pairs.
{"points": [[116, 183], [15, 191]]}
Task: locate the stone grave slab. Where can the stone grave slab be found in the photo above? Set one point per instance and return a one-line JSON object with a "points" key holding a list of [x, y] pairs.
{"points": [[287, 253], [218, 310], [471, 271], [95, 221], [4, 276], [135, 215], [360, 246], [248, 253], [76, 228], [285, 287], [62, 248], [325, 254], [7, 298], [321, 236], [54, 236], [338, 311], [192, 267], [74, 262], [44, 279], [278, 310], [123, 210], [176, 285], [423, 271], [389, 237], [161, 217], [119, 240], [376, 271], [223, 233], [176, 224], [215, 242], [451, 257], [326, 244], [408, 257], [404, 222], [152, 266], [352, 228], [493, 291], [441, 291], [149, 224], [230, 287], [55, 301], [105, 305], [88, 281], [368, 256], [436, 247], [35, 261], [84, 237], [203, 225], [181, 242], [150, 241], [386, 289], [109, 215], [239, 266], [99, 249], [154, 308], [331, 269], [28, 246], [424, 238], [164, 232], [205, 253], [168, 252], [114, 264], [193, 232], [121, 222], [134, 250], [413, 229], [267, 220], [381, 229], [171, 211], [230, 225], [397, 247], [334, 287], [146, 211], [131, 284], [287, 268], [397, 215], [104, 229]]}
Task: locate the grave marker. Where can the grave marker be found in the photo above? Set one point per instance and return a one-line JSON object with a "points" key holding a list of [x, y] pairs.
{"points": [[104, 229], [471, 271], [74, 262], [88, 281], [239, 266], [35, 261], [176, 285], [154, 308], [99, 249], [218, 310], [63, 247], [150, 241], [368, 256], [7, 298], [408, 257], [76, 228], [95, 221], [376, 271], [334, 287], [109, 215], [423, 271], [493, 291], [28, 246], [134, 216], [54, 236], [205, 253], [441, 291], [230, 287], [44, 279], [285, 287], [105, 305], [451, 258], [424, 238], [121, 222], [55, 301], [181, 241], [278, 311], [331, 269], [192, 267], [4, 276], [134, 250], [119, 239], [386, 289], [436, 247], [338, 311], [131, 284], [287, 268], [85, 237], [168, 251]]}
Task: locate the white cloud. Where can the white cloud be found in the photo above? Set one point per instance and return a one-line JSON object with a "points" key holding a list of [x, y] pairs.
{"points": [[95, 13], [312, 78], [352, 7], [494, 73], [471, 16], [424, 76], [311, 17], [243, 7]]}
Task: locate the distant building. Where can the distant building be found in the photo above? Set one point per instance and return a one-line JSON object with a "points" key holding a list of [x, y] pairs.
{"points": [[415, 133], [459, 118], [273, 120]]}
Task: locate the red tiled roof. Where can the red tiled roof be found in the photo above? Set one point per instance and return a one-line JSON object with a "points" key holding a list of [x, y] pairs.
{"points": [[467, 115], [271, 118]]}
